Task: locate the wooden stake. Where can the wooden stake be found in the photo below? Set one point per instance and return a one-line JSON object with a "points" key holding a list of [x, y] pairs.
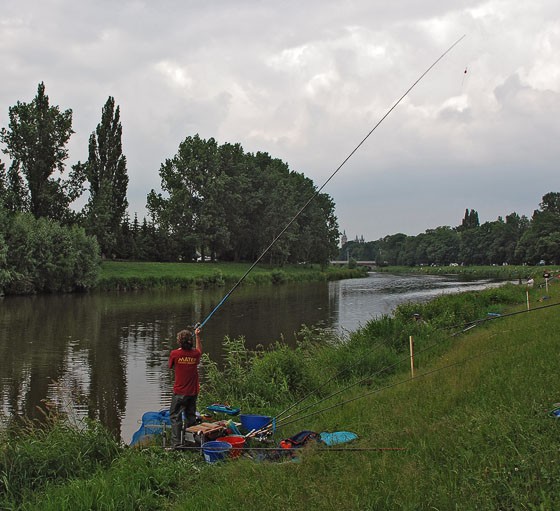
{"points": [[528, 307], [411, 342]]}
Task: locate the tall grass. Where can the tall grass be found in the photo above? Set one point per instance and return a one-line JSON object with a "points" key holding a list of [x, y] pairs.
{"points": [[58, 466], [33, 455]]}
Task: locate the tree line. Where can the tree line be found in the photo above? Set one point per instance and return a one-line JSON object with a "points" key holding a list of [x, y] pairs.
{"points": [[513, 240], [216, 202]]}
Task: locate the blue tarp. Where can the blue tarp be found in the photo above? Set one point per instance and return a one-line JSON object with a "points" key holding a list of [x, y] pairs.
{"points": [[338, 437]]}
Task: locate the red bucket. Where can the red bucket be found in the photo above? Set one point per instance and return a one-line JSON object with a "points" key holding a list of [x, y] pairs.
{"points": [[237, 443]]}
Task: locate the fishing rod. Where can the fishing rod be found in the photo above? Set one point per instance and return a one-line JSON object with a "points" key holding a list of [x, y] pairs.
{"points": [[378, 345], [340, 391], [297, 412], [318, 191], [471, 324], [361, 396], [284, 420], [383, 369], [363, 380], [296, 449]]}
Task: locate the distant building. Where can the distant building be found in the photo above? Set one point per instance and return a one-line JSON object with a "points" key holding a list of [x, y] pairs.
{"points": [[344, 239]]}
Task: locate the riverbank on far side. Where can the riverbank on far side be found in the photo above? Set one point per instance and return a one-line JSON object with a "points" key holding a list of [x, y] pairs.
{"points": [[126, 275]]}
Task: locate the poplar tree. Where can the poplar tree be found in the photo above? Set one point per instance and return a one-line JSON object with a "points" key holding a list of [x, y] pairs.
{"points": [[106, 173], [36, 140]]}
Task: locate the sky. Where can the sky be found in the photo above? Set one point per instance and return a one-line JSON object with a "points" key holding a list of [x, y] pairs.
{"points": [[306, 81]]}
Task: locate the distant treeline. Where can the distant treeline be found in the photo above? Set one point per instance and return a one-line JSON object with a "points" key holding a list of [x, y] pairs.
{"points": [[217, 202], [515, 240]]}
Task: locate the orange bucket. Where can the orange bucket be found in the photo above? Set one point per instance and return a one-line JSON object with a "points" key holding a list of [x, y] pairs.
{"points": [[237, 443]]}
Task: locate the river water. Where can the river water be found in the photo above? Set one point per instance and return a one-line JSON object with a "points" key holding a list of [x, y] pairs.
{"points": [[104, 356]]}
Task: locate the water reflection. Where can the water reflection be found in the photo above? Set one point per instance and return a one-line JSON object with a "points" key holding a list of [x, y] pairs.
{"points": [[104, 356]]}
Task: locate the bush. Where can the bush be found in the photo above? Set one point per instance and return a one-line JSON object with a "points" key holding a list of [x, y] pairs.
{"points": [[43, 256]]}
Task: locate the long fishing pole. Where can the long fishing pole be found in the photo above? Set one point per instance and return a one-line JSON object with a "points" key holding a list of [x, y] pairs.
{"points": [[276, 420], [359, 382], [329, 380], [286, 420], [273, 242], [470, 324], [279, 420], [300, 449], [361, 396]]}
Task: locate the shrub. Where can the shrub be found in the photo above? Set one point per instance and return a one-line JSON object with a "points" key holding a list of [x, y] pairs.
{"points": [[43, 256]]}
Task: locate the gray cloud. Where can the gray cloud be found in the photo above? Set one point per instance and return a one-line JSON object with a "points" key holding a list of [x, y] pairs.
{"points": [[306, 81]]}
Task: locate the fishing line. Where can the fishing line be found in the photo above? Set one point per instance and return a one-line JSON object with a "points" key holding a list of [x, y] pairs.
{"points": [[236, 285]]}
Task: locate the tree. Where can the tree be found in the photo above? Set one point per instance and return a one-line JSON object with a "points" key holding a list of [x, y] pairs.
{"points": [[238, 200], [106, 172], [3, 184], [540, 240], [187, 180], [44, 256], [470, 220], [12, 194], [231, 205], [317, 226], [443, 246], [36, 141]]}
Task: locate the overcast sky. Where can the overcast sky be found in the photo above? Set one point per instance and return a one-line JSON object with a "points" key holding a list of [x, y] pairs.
{"points": [[306, 81]]}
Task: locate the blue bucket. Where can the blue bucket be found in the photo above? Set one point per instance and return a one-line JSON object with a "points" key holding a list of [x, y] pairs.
{"points": [[215, 451], [255, 422]]}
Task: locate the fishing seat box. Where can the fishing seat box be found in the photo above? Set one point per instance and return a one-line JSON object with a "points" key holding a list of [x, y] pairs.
{"points": [[204, 432]]}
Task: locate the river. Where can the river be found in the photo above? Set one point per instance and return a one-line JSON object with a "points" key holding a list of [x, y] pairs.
{"points": [[104, 355]]}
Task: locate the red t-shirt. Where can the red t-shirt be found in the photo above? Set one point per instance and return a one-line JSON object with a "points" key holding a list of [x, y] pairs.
{"points": [[185, 363]]}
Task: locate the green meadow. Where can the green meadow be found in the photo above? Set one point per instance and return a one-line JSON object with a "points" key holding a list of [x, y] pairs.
{"points": [[125, 275], [508, 272], [472, 430]]}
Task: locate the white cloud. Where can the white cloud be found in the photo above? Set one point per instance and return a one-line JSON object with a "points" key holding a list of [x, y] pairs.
{"points": [[178, 76]]}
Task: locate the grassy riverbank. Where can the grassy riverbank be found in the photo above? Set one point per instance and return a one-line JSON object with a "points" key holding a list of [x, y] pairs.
{"points": [[473, 423], [510, 272], [125, 275]]}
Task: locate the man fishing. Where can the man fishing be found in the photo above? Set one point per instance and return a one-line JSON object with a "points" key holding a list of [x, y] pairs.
{"points": [[184, 360]]}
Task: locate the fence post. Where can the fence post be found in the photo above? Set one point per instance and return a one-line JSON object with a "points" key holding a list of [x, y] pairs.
{"points": [[411, 343]]}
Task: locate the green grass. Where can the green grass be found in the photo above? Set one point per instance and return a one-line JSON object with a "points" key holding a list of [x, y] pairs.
{"points": [[141, 275], [474, 423], [511, 272]]}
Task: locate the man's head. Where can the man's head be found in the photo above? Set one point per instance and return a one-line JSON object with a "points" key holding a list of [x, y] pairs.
{"points": [[185, 338]]}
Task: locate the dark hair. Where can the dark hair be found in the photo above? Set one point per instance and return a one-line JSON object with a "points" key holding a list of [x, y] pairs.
{"points": [[186, 339]]}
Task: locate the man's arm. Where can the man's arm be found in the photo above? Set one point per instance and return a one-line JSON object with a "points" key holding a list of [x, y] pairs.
{"points": [[198, 340]]}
